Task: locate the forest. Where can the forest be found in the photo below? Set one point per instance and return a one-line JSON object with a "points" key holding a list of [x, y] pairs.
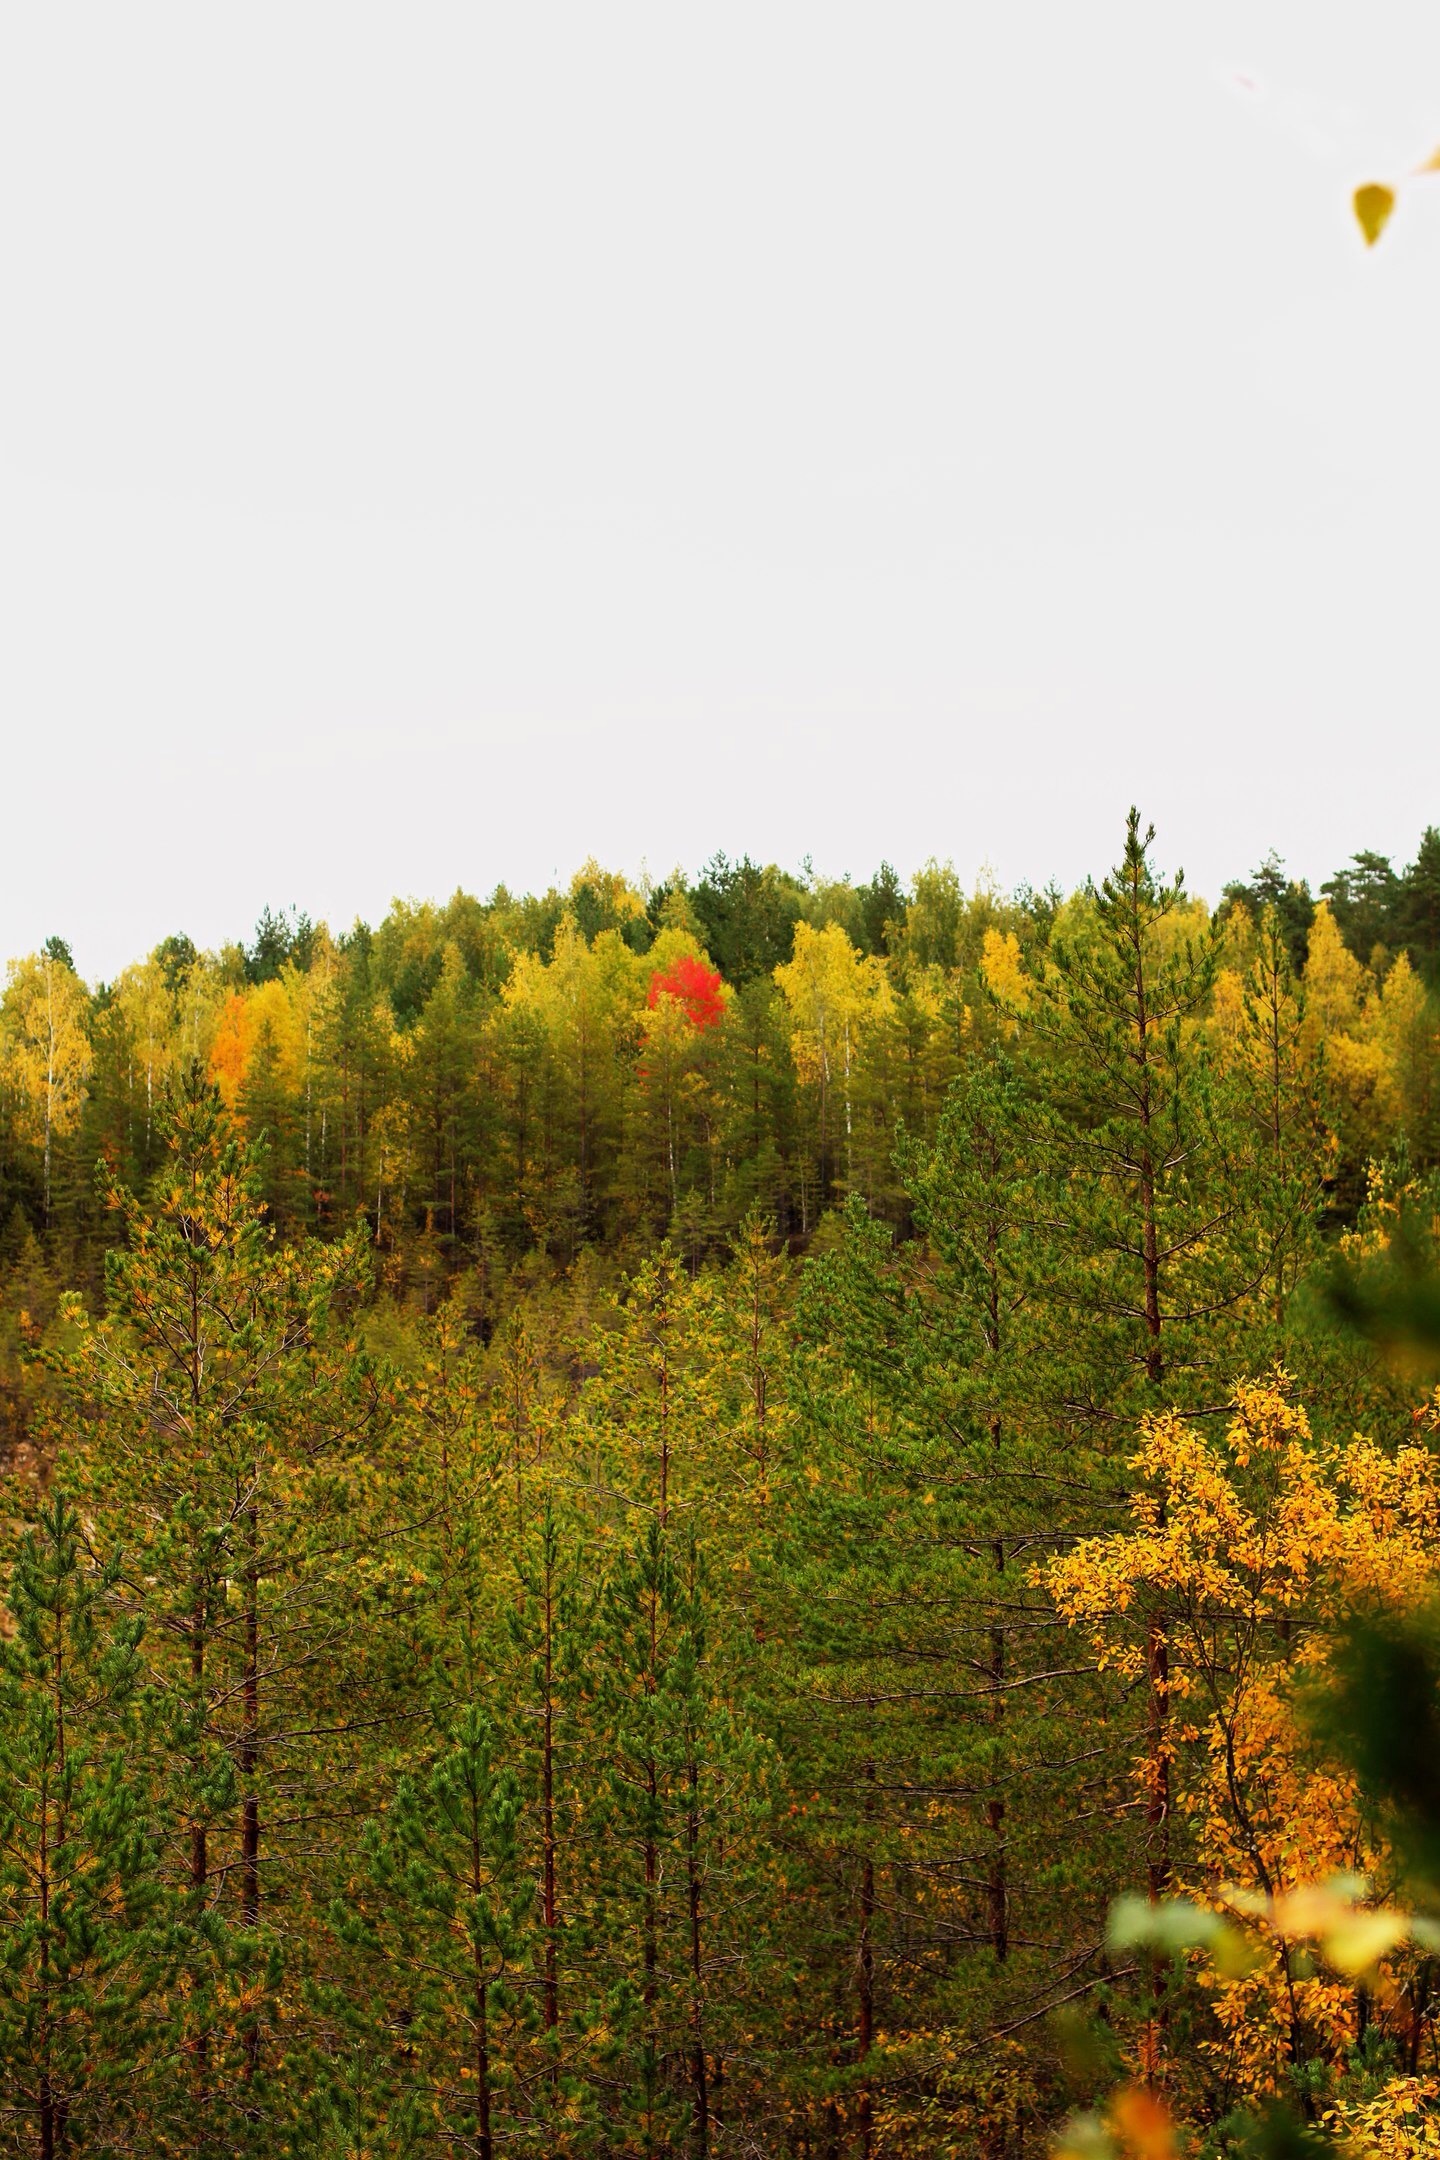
{"points": [[756, 1516]]}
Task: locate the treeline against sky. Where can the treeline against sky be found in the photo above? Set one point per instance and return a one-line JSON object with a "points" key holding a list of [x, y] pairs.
{"points": [[602, 1066], [629, 1512]]}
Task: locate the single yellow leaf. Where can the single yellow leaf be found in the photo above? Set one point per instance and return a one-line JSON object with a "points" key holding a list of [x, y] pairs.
{"points": [[1431, 164], [1373, 205]]}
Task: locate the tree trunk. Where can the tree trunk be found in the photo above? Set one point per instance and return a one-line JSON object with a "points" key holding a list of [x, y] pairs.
{"points": [[700, 2127], [865, 1974], [995, 1810], [485, 2144], [199, 1853], [547, 1778], [1157, 1645], [249, 1762]]}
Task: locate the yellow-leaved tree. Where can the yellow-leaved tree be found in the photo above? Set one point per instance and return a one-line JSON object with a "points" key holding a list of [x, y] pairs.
{"points": [[1339, 995], [1257, 1542], [147, 1005], [836, 995], [1004, 970], [584, 1004], [1376, 1036], [45, 1018]]}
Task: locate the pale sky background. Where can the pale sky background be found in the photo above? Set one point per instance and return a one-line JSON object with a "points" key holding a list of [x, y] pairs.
{"points": [[440, 443]]}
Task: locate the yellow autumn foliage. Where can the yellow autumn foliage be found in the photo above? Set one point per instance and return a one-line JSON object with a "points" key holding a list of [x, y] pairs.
{"points": [[1399, 2123], [45, 1043], [835, 994], [1336, 984], [1004, 970], [1241, 1549]]}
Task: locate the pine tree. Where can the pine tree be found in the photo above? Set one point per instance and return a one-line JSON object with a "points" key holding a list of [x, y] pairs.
{"points": [[208, 1424], [449, 1918], [544, 1687], [938, 1741], [1278, 1090], [1102, 1227], [83, 1938], [685, 1775], [479, 1626], [1420, 904]]}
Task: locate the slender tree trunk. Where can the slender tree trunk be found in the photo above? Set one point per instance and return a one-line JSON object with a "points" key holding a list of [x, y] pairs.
{"points": [[650, 1950], [49, 2111], [485, 2144], [670, 1148], [199, 1853], [651, 1918], [1157, 1657], [308, 1180], [832, 2131], [995, 1809], [49, 1074], [994, 2136], [865, 1973], [584, 1141], [249, 1762], [1157, 1640], [757, 1387], [700, 2128], [547, 1778], [824, 1117]]}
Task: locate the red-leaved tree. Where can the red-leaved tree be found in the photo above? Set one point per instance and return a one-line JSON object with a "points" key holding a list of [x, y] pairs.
{"points": [[694, 986]]}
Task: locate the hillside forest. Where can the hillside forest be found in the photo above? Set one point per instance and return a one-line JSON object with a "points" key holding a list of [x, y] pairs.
{"points": [[633, 1516]]}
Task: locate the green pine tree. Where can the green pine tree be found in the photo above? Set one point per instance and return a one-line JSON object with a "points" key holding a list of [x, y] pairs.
{"points": [[84, 1944], [208, 1423], [449, 1912]]}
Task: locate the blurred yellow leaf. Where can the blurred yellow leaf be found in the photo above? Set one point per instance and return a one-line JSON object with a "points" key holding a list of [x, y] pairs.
{"points": [[1354, 1937], [1363, 1938], [1373, 205], [1431, 164], [1311, 1909]]}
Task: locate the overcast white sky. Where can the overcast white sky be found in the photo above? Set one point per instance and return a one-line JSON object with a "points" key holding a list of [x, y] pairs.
{"points": [[440, 443]]}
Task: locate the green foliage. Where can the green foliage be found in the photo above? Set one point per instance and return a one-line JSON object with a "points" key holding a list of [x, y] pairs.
{"points": [[446, 1912], [1287, 898], [548, 1671], [84, 1942], [283, 937], [1380, 1712], [747, 916]]}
